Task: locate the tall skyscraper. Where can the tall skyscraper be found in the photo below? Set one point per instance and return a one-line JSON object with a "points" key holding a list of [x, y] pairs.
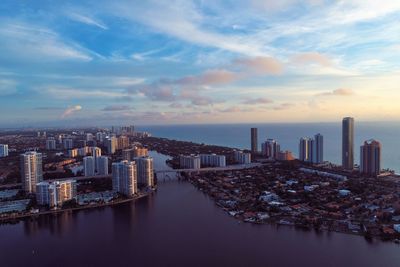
{"points": [[317, 146], [89, 166], [145, 171], [124, 176], [68, 143], [304, 149], [3, 150], [348, 143], [254, 140], [31, 170], [102, 165], [270, 148], [370, 157], [56, 193], [190, 162]]}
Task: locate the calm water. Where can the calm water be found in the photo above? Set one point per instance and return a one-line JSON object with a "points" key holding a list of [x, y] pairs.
{"points": [[238, 135], [178, 226]]}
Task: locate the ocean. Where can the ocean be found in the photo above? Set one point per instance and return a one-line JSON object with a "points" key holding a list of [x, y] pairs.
{"points": [[288, 135]]}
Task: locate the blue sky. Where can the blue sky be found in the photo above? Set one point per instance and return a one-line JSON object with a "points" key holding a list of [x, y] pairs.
{"points": [[166, 62]]}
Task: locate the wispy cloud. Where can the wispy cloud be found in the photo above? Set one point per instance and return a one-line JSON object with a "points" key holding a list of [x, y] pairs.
{"points": [[69, 111], [117, 108], [338, 92], [87, 20]]}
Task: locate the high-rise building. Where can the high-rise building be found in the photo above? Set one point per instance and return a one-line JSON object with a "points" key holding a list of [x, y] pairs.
{"points": [[242, 157], [122, 142], [89, 165], [51, 143], [145, 171], [190, 162], [370, 157], [89, 137], [56, 193], [102, 165], [317, 146], [3, 150], [84, 151], [254, 140], [212, 160], [96, 153], [31, 170], [304, 149], [348, 143], [270, 148], [111, 144], [124, 176], [100, 136], [68, 143], [73, 153]]}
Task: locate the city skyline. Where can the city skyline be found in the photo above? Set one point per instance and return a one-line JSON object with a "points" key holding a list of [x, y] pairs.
{"points": [[98, 62]]}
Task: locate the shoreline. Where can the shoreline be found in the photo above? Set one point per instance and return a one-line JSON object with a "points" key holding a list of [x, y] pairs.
{"points": [[13, 219]]}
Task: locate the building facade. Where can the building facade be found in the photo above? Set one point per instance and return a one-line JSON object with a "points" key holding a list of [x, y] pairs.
{"points": [[31, 171], [348, 143], [242, 157], [270, 148], [145, 171], [212, 160], [89, 166], [254, 140], [189, 162], [102, 165], [370, 158], [124, 176], [54, 194], [3, 150], [51, 143]]}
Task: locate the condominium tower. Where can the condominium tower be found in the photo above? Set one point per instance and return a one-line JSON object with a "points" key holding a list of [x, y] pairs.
{"points": [[348, 143], [31, 170]]}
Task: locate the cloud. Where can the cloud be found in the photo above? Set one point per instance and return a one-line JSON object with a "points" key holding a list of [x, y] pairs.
{"points": [[69, 111], [312, 58], [7, 87], [48, 108], [117, 108], [210, 77], [255, 101], [338, 92], [261, 65], [284, 106], [87, 20]]}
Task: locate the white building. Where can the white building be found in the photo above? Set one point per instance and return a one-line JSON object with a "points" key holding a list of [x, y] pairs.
{"points": [[242, 157], [54, 194], [89, 166], [84, 151], [31, 170], [3, 150], [312, 149], [96, 153], [124, 177], [145, 171], [51, 143], [212, 160], [73, 153], [190, 162], [102, 165], [111, 144]]}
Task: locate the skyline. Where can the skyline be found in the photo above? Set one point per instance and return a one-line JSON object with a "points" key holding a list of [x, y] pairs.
{"points": [[231, 62]]}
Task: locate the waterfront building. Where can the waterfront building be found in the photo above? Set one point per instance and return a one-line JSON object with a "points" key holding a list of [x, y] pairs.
{"points": [[190, 162], [111, 144], [102, 165], [305, 149], [242, 157], [96, 153], [124, 177], [212, 160], [317, 146], [370, 157], [89, 165], [68, 143], [254, 140], [51, 143], [348, 143], [73, 153], [270, 148], [54, 194], [145, 171], [140, 152], [31, 170], [3, 150]]}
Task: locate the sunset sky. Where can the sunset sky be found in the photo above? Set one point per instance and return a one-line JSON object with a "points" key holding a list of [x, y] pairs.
{"points": [[166, 62]]}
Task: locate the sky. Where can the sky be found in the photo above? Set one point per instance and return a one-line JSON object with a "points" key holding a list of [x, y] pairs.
{"points": [[99, 62]]}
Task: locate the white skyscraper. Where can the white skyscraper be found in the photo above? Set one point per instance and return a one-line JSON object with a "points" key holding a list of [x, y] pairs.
{"points": [[31, 170], [3, 150], [102, 165], [305, 151], [51, 143], [124, 176], [56, 193], [270, 148], [96, 153], [111, 144], [190, 162], [145, 171], [213, 160], [317, 145], [68, 143], [89, 165]]}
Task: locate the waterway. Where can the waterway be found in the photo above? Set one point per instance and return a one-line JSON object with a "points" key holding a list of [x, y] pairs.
{"points": [[178, 226]]}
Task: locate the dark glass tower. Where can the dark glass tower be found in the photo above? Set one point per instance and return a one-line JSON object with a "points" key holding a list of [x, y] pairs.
{"points": [[348, 143], [254, 140]]}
